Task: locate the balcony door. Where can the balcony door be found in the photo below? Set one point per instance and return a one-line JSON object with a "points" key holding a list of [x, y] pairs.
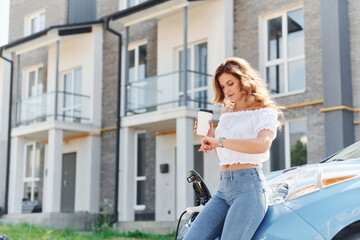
{"points": [[71, 107], [197, 77], [137, 74], [32, 108]]}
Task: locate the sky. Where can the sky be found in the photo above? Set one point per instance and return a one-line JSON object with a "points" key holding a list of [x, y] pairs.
{"points": [[4, 21]]}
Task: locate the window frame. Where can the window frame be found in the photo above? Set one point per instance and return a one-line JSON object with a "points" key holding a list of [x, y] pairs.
{"points": [[285, 60], [192, 90], [31, 179], [27, 72], [30, 17], [135, 46], [287, 147], [72, 106], [123, 4], [137, 178]]}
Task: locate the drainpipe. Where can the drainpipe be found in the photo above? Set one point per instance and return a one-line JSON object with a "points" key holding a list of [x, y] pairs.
{"points": [[118, 121], [5, 211], [185, 78]]}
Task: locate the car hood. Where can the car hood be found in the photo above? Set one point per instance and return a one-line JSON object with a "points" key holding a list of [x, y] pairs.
{"points": [[291, 183]]}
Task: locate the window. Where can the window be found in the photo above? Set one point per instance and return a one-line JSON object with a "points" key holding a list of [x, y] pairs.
{"points": [[35, 22], [284, 58], [132, 3], [32, 172], [35, 82], [197, 79], [140, 168], [137, 72], [289, 148], [71, 109]]}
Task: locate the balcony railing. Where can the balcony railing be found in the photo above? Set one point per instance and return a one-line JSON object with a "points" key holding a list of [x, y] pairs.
{"points": [[71, 107], [165, 91]]}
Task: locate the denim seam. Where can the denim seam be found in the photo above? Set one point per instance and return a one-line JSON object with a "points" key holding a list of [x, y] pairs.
{"points": [[253, 213], [214, 227]]}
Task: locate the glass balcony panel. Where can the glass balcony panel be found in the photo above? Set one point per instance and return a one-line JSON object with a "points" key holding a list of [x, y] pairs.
{"points": [[71, 108], [76, 108], [164, 92]]}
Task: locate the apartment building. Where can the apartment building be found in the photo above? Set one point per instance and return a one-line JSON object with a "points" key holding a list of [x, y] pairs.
{"points": [[66, 148]]}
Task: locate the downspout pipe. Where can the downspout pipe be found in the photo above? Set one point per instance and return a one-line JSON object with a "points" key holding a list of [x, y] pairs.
{"points": [[118, 121], [5, 211]]}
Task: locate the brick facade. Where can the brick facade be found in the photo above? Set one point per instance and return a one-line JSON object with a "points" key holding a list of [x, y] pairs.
{"points": [[56, 14], [246, 45], [146, 30]]}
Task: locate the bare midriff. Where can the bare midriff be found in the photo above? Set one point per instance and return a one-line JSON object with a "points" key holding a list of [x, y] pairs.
{"points": [[237, 166]]}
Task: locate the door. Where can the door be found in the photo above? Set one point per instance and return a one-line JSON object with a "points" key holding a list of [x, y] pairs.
{"points": [[68, 183]]}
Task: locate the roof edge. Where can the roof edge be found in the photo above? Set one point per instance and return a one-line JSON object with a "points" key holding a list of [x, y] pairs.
{"points": [[45, 31], [136, 8]]}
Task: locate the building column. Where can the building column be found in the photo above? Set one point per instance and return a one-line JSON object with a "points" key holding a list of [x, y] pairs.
{"points": [[126, 200], [53, 170], [4, 121], [184, 163], [16, 184], [337, 83], [165, 182], [94, 173]]}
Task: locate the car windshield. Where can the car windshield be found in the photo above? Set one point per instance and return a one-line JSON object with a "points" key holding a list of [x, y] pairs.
{"points": [[351, 152]]}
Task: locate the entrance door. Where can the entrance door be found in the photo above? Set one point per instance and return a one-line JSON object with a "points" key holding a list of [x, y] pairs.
{"points": [[68, 183]]}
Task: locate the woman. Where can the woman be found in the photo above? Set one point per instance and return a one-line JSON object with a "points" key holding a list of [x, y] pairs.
{"points": [[248, 125]]}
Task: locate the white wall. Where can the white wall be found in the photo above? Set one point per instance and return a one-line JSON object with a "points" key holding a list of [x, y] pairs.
{"points": [[85, 51], [87, 183], [211, 168], [165, 201]]}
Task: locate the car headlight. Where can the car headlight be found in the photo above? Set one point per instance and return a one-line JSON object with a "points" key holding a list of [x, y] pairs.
{"points": [[303, 180]]}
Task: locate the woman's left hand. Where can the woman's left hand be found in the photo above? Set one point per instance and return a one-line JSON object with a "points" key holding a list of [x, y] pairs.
{"points": [[208, 144]]}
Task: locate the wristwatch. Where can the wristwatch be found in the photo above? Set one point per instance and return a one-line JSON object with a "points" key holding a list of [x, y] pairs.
{"points": [[221, 139]]}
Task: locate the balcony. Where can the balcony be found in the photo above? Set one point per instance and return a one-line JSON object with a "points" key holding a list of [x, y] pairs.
{"points": [[165, 92], [71, 107]]}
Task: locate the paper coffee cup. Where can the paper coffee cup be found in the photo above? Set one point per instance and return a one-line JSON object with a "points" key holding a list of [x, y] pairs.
{"points": [[204, 119]]}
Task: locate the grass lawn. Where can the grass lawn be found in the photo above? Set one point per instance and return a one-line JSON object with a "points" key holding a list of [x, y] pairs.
{"points": [[26, 231]]}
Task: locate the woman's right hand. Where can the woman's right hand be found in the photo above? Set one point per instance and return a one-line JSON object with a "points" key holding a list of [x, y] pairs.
{"points": [[211, 129]]}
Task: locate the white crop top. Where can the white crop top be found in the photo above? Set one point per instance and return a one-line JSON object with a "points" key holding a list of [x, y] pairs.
{"points": [[245, 125]]}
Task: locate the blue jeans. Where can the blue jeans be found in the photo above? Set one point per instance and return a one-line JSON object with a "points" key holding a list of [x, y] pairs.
{"points": [[236, 210]]}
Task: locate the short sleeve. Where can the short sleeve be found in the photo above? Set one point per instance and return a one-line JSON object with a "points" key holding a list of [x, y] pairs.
{"points": [[267, 120]]}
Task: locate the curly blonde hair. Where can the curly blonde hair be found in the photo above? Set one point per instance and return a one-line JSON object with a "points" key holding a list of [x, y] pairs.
{"points": [[250, 83]]}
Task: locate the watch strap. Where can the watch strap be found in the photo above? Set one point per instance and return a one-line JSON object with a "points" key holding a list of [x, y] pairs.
{"points": [[221, 142]]}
